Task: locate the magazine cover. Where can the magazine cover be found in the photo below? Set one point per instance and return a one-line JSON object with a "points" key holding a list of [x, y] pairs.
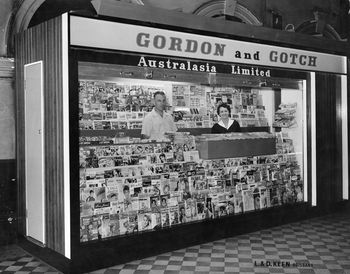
{"points": [[173, 182], [174, 215], [165, 218], [198, 183], [230, 207], [135, 185], [134, 204], [275, 198], [123, 191], [201, 205], [108, 173], [94, 183], [287, 195], [85, 226], [93, 228], [182, 213], [248, 200], [91, 161], [164, 200], [174, 199], [257, 198], [191, 156], [100, 194], [145, 221], [220, 209], [237, 199], [116, 207], [156, 220], [104, 229], [86, 209], [144, 202], [123, 223], [106, 162], [164, 186], [264, 197], [250, 177], [209, 208], [169, 157], [191, 210], [84, 233], [299, 193], [112, 189], [102, 208], [155, 203], [87, 195], [133, 222]]}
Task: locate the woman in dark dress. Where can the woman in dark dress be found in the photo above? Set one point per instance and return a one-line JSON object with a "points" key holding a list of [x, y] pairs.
{"points": [[225, 124]]}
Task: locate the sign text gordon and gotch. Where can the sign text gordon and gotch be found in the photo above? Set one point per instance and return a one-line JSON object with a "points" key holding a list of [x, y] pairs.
{"points": [[178, 44]]}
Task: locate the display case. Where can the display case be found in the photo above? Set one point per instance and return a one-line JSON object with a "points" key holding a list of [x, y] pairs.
{"points": [[119, 196], [130, 185]]}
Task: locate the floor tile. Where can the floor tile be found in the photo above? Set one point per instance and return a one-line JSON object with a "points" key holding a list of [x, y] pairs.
{"points": [[323, 242]]}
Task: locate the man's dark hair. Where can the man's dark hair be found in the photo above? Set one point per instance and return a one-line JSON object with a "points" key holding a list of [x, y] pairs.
{"points": [[224, 105], [159, 93]]}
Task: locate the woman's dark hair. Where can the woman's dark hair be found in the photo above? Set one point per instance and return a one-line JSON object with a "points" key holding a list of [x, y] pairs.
{"points": [[224, 105]]}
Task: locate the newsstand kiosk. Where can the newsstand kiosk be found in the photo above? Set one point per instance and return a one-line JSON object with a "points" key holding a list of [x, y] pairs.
{"points": [[93, 193]]}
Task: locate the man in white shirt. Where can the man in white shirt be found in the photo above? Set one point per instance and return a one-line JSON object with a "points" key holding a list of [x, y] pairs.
{"points": [[157, 122]]}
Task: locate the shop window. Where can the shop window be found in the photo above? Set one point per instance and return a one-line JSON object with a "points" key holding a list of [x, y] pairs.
{"points": [[130, 185]]}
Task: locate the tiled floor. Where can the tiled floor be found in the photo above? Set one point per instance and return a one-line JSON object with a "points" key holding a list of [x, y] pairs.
{"points": [[14, 259], [320, 245]]}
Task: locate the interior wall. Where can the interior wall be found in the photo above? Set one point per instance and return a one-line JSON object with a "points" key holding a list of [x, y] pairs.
{"points": [[7, 110], [8, 195]]}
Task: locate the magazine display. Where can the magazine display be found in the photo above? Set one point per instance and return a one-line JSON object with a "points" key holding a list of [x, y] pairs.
{"points": [[285, 116], [121, 106], [141, 186], [130, 185]]}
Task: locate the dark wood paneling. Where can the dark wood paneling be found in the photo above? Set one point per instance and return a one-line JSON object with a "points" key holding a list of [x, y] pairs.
{"points": [[328, 141], [348, 115], [8, 202], [338, 139], [43, 42]]}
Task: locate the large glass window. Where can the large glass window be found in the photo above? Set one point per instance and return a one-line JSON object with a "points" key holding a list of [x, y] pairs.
{"points": [[132, 185]]}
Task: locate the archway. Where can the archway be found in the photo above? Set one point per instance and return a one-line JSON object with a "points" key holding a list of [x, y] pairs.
{"points": [[216, 8], [310, 27], [28, 13]]}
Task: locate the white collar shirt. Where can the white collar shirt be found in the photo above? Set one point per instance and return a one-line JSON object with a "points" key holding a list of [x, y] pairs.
{"points": [[154, 126], [230, 122]]}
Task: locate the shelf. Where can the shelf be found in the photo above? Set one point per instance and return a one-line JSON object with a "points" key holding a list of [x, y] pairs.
{"points": [[136, 133]]}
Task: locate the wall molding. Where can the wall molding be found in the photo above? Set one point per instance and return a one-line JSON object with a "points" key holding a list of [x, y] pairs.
{"points": [[7, 67]]}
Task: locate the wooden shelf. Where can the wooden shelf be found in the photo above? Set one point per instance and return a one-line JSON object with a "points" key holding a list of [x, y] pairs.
{"points": [[136, 133]]}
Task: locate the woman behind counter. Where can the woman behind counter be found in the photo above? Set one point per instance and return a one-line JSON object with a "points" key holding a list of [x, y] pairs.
{"points": [[225, 124]]}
